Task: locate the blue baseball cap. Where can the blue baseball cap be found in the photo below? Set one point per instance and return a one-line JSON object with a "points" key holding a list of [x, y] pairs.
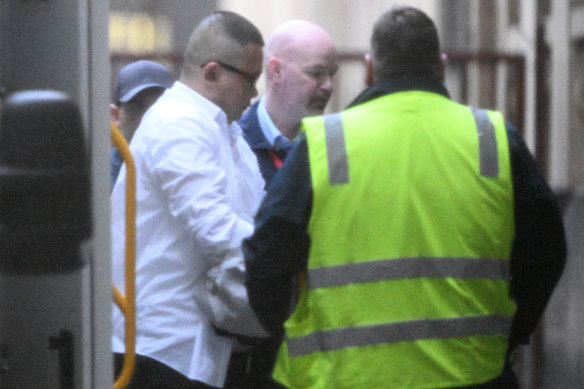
{"points": [[140, 75]]}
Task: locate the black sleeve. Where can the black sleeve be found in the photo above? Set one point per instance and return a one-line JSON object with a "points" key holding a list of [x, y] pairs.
{"points": [[539, 248], [278, 249]]}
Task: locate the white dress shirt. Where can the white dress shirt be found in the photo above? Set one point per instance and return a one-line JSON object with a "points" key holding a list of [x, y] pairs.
{"points": [[266, 124], [198, 187]]}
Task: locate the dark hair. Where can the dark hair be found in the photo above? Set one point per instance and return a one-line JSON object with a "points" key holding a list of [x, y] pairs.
{"points": [[222, 35], [239, 28], [404, 39]]}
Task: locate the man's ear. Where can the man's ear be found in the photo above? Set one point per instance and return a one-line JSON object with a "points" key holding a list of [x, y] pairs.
{"points": [[115, 112], [440, 68], [370, 74], [274, 68], [210, 72]]}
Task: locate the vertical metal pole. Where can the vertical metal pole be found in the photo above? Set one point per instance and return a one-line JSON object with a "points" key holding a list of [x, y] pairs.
{"points": [[558, 34]]}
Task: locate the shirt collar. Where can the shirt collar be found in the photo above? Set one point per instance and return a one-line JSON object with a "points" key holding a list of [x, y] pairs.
{"points": [[266, 124], [401, 82], [200, 100], [234, 132], [213, 109]]}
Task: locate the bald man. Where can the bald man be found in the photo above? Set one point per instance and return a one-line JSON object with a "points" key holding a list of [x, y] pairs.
{"points": [[299, 63], [300, 60]]}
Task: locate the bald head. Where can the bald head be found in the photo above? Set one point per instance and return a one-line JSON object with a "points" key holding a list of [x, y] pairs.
{"points": [[297, 37], [300, 61]]}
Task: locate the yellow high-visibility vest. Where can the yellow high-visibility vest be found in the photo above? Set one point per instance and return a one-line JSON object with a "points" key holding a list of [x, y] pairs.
{"points": [[411, 232]]}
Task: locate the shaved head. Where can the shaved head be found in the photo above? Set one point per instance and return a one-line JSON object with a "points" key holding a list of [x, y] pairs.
{"points": [[297, 37], [300, 61], [223, 61], [223, 35]]}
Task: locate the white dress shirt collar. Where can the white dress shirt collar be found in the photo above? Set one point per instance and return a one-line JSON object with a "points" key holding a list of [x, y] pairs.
{"points": [[199, 100], [214, 110], [266, 124]]}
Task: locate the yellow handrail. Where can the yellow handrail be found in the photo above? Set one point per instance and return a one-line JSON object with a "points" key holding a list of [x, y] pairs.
{"points": [[127, 304]]}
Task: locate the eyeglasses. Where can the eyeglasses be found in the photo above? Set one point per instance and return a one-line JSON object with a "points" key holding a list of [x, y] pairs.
{"points": [[252, 79]]}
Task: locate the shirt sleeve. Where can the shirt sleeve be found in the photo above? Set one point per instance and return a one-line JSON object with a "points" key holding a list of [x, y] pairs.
{"points": [[539, 248], [278, 249]]}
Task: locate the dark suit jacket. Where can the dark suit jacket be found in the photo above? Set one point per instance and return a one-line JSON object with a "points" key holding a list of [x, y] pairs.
{"points": [[256, 140], [265, 351]]}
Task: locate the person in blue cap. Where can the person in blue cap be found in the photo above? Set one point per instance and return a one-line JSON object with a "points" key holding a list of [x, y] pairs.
{"points": [[138, 86]]}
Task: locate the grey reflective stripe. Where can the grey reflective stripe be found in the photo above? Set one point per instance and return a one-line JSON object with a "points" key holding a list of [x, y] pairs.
{"points": [[488, 154], [398, 332], [336, 150], [407, 268]]}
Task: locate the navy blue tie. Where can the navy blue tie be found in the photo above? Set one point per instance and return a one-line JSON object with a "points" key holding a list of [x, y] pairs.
{"points": [[281, 146]]}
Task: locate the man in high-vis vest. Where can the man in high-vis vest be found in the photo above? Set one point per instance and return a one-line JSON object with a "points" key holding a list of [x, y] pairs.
{"points": [[408, 241]]}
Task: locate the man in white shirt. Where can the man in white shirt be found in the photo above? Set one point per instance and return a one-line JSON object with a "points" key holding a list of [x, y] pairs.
{"points": [[197, 189]]}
